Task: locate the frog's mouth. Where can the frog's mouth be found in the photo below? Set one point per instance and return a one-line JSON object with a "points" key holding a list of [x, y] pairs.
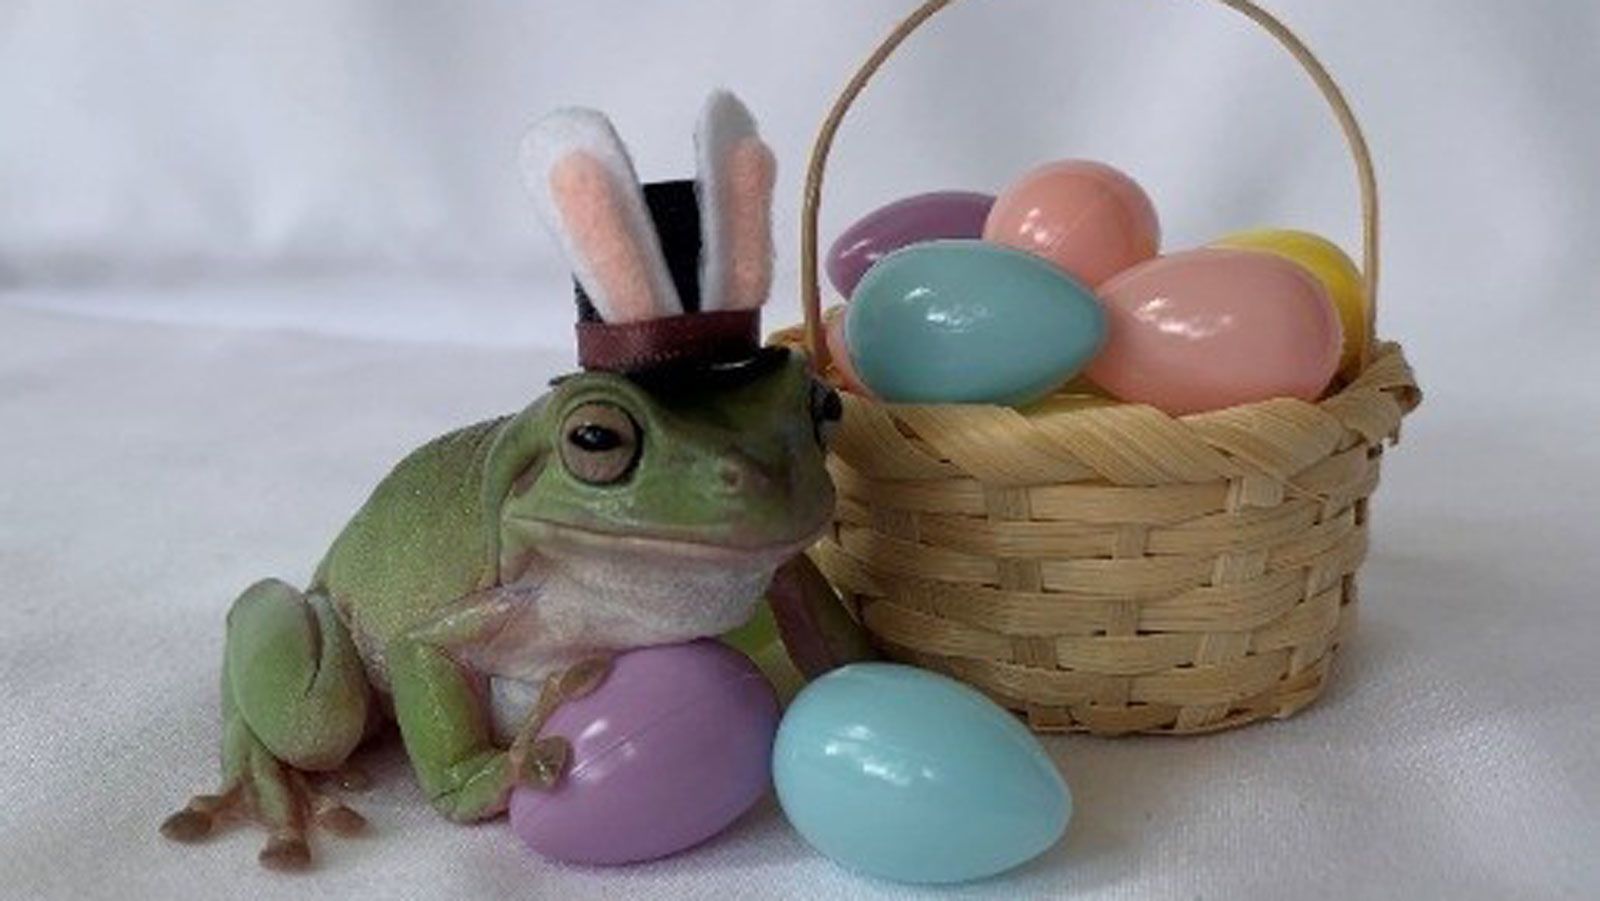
{"points": [[525, 539]]}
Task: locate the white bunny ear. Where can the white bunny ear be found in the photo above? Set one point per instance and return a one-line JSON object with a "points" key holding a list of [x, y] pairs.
{"points": [[584, 185], [735, 179]]}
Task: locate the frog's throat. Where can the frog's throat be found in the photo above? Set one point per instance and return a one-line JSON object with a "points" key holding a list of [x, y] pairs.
{"points": [[559, 539]]}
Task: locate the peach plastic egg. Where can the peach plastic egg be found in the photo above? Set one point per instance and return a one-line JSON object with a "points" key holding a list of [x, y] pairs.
{"points": [[839, 352], [1207, 329], [1087, 218]]}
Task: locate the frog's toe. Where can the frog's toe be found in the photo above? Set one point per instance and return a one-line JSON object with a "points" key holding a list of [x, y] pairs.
{"points": [[198, 820], [286, 852], [544, 762], [582, 679], [189, 826], [341, 820]]}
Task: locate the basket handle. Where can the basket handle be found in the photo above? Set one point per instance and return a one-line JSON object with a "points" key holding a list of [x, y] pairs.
{"points": [[810, 290]]}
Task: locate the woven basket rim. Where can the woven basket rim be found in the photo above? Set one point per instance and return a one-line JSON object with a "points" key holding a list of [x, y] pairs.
{"points": [[1371, 405], [1408, 394]]}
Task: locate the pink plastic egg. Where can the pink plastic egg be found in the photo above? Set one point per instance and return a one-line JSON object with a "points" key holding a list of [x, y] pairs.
{"points": [[1207, 329], [1086, 217], [667, 752]]}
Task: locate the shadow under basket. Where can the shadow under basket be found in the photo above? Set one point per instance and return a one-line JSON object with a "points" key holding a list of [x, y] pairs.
{"points": [[1104, 567]]}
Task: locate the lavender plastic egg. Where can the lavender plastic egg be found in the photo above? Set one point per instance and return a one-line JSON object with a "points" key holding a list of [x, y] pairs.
{"points": [[667, 752], [910, 220]]}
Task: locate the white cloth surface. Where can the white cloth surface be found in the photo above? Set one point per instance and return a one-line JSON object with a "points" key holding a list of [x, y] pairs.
{"points": [[151, 471], [250, 255]]}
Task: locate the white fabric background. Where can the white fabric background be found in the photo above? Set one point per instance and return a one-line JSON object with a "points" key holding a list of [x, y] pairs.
{"points": [[250, 254]]}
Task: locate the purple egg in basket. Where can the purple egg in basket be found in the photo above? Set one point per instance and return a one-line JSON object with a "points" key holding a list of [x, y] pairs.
{"points": [[667, 752], [910, 220]]}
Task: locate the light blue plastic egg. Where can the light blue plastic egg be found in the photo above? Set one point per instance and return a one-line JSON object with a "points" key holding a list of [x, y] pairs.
{"points": [[907, 775], [970, 322]]}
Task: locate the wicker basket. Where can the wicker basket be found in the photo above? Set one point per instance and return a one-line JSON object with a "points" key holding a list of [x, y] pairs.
{"points": [[1108, 568]]}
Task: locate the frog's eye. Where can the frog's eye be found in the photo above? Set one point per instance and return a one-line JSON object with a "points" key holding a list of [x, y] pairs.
{"points": [[600, 443], [826, 411]]}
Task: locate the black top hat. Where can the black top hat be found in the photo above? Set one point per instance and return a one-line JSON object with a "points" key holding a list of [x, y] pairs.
{"points": [[671, 274], [685, 342]]}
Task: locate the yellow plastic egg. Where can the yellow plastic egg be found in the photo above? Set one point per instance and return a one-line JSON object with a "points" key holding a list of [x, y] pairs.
{"points": [[1331, 266], [1066, 402]]}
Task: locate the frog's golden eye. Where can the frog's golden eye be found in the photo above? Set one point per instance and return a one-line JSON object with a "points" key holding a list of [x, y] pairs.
{"points": [[826, 411], [600, 443]]}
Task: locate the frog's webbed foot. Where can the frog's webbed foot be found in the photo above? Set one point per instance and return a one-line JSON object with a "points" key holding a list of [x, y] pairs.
{"points": [[540, 763], [294, 701], [280, 799]]}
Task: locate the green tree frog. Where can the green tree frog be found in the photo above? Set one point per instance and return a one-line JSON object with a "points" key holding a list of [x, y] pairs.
{"points": [[648, 499]]}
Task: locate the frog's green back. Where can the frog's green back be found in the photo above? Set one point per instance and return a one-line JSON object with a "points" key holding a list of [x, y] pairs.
{"points": [[420, 541]]}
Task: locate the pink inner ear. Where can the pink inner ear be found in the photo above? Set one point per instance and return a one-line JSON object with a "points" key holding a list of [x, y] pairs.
{"points": [[593, 213], [751, 171]]}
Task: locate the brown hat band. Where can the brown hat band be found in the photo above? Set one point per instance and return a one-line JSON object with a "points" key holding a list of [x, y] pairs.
{"points": [[721, 336]]}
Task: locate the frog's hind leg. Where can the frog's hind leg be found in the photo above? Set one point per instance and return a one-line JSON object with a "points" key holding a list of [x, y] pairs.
{"points": [[294, 701]]}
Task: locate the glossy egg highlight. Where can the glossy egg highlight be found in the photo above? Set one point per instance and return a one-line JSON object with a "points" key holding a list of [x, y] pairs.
{"points": [[970, 322], [910, 220], [1208, 329], [1088, 218], [907, 775], [672, 747]]}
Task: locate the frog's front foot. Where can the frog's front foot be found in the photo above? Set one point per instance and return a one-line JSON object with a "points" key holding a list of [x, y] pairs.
{"points": [[281, 799], [541, 762]]}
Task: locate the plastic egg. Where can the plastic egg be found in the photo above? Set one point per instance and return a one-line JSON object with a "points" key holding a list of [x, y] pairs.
{"points": [[1207, 329], [670, 749], [1330, 265], [907, 775], [1088, 218], [911, 220], [970, 322], [1066, 402], [839, 352]]}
